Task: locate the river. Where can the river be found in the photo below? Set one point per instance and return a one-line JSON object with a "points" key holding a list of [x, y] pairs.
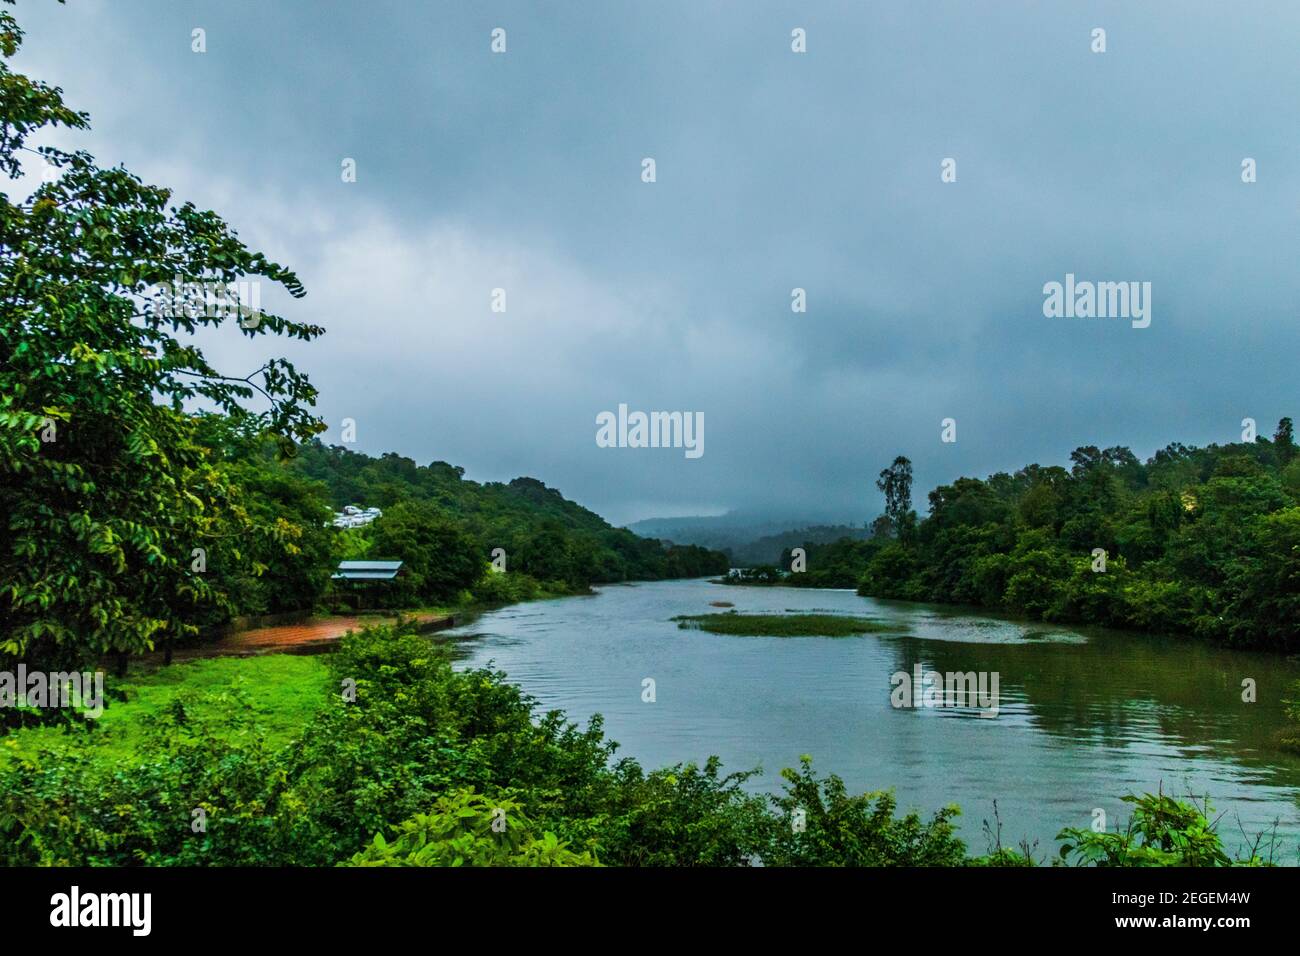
{"points": [[1084, 715]]}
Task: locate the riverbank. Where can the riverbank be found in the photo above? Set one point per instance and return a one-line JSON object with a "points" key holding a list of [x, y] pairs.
{"points": [[271, 697], [248, 681], [761, 582], [312, 635], [414, 766]]}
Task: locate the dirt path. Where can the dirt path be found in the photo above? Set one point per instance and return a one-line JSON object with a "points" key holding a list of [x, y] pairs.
{"points": [[308, 637]]}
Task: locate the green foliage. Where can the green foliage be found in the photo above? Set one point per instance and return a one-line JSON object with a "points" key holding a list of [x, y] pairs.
{"points": [[782, 625], [839, 829], [466, 829], [747, 552], [684, 815], [75, 810], [558, 544], [417, 732], [508, 588], [1197, 541], [1265, 588], [285, 563], [835, 564], [891, 572], [104, 484], [412, 771], [896, 484], [1162, 832], [441, 559], [1284, 440], [1289, 738]]}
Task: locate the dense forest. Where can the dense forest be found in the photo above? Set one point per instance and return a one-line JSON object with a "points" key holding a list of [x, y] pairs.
{"points": [[1195, 541]]}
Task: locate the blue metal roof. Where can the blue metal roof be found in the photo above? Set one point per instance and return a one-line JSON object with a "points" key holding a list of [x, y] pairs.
{"points": [[368, 570]]}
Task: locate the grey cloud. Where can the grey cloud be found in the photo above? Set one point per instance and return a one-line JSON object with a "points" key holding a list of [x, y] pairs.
{"points": [[775, 170]]}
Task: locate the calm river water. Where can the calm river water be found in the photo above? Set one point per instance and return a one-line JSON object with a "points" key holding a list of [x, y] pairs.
{"points": [[1085, 715]]}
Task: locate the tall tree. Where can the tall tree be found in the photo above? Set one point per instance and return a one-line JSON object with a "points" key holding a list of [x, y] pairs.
{"points": [[109, 500], [1284, 440], [896, 483]]}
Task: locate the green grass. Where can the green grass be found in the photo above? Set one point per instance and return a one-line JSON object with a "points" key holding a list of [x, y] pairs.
{"points": [[270, 696], [782, 625]]}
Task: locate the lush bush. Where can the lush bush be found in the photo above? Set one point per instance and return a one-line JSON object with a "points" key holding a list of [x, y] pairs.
{"points": [[1162, 832], [60, 808], [466, 829], [821, 824], [507, 588], [685, 815]]}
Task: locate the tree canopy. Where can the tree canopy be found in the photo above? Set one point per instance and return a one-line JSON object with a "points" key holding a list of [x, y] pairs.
{"points": [[112, 502], [1193, 541]]}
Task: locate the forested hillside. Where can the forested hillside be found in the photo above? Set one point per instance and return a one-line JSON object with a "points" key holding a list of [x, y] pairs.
{"points": [[443, 527], [543, 534]]}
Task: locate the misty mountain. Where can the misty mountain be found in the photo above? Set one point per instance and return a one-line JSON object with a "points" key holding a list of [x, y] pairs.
{"points": [[750, 537]]}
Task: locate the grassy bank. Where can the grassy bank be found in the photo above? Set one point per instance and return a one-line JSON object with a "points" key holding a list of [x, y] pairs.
{"points": [[270, 698]]}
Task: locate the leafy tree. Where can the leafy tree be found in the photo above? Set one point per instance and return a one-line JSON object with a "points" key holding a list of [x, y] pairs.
{"points": [[106, 490], [1038, 575], [288, 566], [440, 558], [1265, 605], [1284, 441], [890, 573], [896, 483], [548, 555]]}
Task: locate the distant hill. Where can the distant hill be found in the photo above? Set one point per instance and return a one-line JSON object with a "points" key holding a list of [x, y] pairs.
{"points": [[748, 537], [768, 549]]}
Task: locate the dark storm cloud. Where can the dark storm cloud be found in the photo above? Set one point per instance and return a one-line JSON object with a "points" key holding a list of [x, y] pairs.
{"points": [[775, 171]]}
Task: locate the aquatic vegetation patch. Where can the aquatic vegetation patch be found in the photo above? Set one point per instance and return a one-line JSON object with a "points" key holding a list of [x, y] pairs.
{"points": [[783, 625]]}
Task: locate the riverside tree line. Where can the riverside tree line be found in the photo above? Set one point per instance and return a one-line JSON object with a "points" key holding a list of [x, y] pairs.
{"points": [[1194, 541]]}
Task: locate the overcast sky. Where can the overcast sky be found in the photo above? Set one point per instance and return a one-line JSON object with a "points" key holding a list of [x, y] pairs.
{"points": [[775, 170]]}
